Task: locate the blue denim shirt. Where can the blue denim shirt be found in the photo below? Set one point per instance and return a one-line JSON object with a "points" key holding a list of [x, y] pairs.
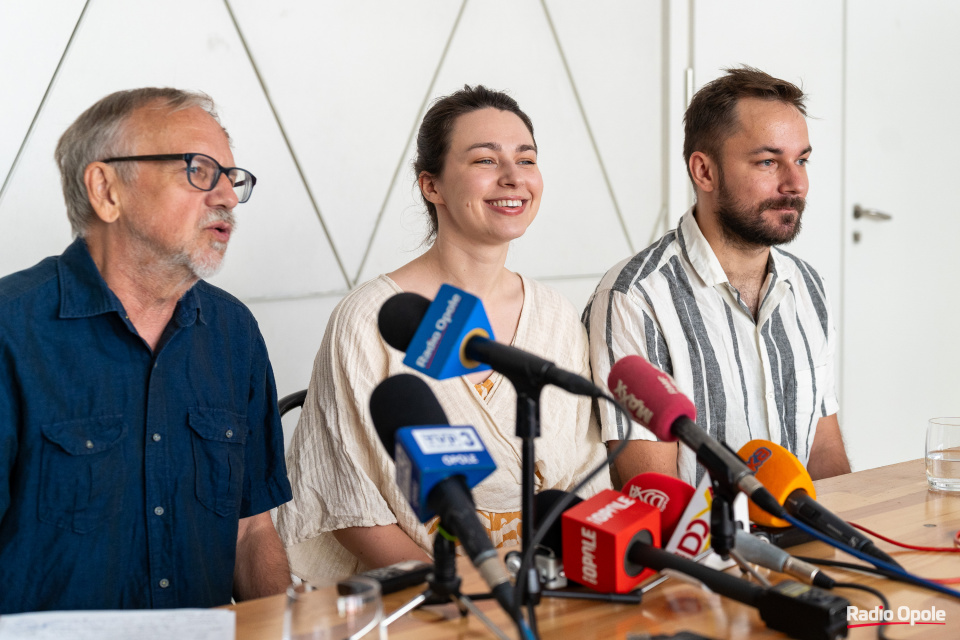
{"points": [[124, 472]]}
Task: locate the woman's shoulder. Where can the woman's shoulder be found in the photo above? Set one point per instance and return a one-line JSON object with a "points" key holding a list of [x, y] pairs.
{"points": [[355, 316], [365, 300], [550, 326]]}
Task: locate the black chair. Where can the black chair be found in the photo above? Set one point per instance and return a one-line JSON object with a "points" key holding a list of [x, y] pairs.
{"points": [[292, 401]]}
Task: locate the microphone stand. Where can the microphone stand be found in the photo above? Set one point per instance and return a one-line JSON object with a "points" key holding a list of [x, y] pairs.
{"points": [[528, 379], [528, 388], [443, 587], [528, 429], [723, 528]]}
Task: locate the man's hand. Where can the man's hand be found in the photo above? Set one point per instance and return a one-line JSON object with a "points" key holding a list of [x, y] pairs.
{"points": [[261, 568], [828, 456], [641, 456]]}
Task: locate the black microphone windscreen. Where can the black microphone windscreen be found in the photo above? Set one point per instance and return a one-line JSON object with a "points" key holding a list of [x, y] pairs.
{"points": [[542, 504], [403, 400], [399, 318]]}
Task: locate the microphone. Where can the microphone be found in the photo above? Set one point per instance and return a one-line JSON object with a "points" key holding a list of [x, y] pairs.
{"points": [[668, 494], [754, 549], [451, 336], [652, 398], [672, 495], [684, 514], [436, 466], [787, 479], [798, 610], [598, 535]]}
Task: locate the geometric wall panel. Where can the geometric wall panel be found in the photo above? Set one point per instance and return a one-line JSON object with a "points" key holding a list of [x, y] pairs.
{"points": [[321, 100], [348, 103], [614, 53], [156, 46], [577, 229], [32, 39]]}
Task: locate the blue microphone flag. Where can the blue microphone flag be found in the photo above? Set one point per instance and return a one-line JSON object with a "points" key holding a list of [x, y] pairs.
{"points": [[427, 455], [452, 319]]}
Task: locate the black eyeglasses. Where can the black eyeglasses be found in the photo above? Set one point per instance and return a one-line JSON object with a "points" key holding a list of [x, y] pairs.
{"points": [[203, 172]]}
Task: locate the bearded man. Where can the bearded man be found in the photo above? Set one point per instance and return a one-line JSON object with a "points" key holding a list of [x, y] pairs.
{"points": [[140, 443], [744, 327]]}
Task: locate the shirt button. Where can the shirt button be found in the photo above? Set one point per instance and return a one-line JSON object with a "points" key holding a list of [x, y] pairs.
{"points": [[156, 437], [164, 583], [158, 511], [89, 444], [229, 433]]}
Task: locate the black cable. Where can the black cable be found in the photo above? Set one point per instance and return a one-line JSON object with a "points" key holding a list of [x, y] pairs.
{"points": [[865, 568], [558, 508], [881, 632], [895, 572]]}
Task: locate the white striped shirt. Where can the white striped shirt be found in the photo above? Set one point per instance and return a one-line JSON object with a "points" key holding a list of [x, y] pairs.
{"points": [[770, 378]]}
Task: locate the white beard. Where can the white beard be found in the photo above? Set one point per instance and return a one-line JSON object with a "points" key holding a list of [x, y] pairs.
{"points": [[203, 263]]}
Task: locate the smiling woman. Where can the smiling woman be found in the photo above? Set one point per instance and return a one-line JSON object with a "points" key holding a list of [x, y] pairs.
{"points": [[490, 186], [477, 171]]}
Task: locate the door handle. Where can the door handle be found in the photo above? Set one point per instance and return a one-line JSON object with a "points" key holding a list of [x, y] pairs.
{"points": [[870, 214]]}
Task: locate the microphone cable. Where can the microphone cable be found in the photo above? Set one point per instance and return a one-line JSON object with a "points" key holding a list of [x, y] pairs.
{"points": [[852, 585], [954, 549], [527, 634], [558, 508], [881, 632], [867, 569], [895, 573], [828, 583]]}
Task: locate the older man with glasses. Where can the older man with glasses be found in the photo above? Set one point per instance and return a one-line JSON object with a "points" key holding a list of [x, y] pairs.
{"points": [[140, 444]]}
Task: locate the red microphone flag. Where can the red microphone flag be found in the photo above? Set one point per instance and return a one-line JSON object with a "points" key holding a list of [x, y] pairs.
{"points": [[597, 534]]}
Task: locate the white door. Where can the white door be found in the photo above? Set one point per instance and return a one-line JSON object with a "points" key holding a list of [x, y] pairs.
{"points": [[901, 348]]}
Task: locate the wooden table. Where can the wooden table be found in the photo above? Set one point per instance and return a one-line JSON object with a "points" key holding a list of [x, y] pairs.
{"points": [[892, 500]]}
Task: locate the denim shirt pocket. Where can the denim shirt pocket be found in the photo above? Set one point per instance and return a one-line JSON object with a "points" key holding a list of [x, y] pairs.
{"points": [[81, 473], [218, 455]]}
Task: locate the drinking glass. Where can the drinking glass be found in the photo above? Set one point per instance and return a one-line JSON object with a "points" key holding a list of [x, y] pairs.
{"points": [[942, 454], [349, 610]]}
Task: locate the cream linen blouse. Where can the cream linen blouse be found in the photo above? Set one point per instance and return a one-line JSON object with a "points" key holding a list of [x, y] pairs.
{"points": [[342, 476]]}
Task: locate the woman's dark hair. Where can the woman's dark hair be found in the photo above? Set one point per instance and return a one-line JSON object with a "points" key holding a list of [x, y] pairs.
{"points": [[433, 139]]}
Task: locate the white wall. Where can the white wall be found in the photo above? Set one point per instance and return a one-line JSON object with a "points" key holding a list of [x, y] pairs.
{"points": [[348, 82], [322, 99]]}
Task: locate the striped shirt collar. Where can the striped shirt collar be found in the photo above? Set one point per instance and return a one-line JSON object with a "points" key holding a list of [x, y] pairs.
{"points": [[705, 262]]}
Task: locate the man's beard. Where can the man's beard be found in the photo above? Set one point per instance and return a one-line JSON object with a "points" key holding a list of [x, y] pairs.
{"points": [[202, 262], [743, 225]]}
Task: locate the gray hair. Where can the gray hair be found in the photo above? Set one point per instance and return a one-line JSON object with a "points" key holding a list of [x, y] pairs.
{"points": [[100, 132]]}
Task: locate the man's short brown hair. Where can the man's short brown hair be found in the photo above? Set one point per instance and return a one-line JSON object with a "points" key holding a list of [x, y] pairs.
{"points": [[711, 117]]}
